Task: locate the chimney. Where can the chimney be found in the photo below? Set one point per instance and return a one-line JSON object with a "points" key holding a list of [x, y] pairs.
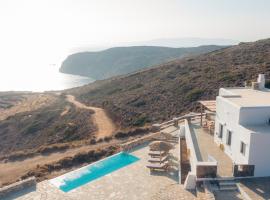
{"points": [[261, 81]]}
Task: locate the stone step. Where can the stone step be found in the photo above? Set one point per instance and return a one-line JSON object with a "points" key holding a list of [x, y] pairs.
{"points": [[228, 184], [221, 183], [228, 187], [227, 179]]}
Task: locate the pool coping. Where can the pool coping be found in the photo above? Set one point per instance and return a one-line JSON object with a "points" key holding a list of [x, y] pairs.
{"points": [[56, 182]]}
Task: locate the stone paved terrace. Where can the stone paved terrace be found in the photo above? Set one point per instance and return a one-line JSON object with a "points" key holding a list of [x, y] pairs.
{"points": [[256, 188], [228, 195], [207, 146], [129, 183]]}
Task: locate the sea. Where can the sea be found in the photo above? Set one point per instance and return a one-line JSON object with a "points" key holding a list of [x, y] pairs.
{"points": [[47, 78]]}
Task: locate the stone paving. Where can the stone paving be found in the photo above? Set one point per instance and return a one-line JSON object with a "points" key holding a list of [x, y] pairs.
{"points": [[207, 146], [228, 195], [131, 182], [256, 188]]}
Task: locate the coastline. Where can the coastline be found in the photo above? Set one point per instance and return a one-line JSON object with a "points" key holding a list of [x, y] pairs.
{"points": [[42, 82]]}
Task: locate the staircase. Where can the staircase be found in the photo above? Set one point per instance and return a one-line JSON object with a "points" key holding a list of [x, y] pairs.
{"points": [[227, 184]]}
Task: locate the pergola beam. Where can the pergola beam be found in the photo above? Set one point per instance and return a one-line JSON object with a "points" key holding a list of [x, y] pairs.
{"points": [[208, 105]]}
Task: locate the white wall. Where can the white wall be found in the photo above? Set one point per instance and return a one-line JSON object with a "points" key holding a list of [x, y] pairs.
{"points": [[190, 146], [235, 118], [228, 115], [254, 115], [260, 154], [223, 91]]}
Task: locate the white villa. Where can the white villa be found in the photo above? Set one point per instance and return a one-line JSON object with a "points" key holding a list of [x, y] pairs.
{"points": [[232, 138], [242, 126]]}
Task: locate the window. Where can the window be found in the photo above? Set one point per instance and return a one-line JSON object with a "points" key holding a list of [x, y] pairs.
{"points": [[243, 148], [220, 131], [229, 138]]}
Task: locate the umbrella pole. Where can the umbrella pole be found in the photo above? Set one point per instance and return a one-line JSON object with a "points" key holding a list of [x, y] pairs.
{"points": [[159, 156]]}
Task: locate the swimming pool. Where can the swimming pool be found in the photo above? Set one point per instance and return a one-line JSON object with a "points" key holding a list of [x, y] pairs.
{"points": [[77, 178]]}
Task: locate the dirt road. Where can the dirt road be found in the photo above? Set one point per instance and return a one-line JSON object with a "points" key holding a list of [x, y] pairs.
{"points": [[102, 121]]}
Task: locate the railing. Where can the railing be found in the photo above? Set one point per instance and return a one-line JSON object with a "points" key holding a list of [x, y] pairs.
{"points": [[176, 120], [202, 169], [127, 146]]}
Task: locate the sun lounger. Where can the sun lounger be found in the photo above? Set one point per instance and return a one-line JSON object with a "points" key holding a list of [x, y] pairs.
{"points": [[158, 166], [158, 160], [157, 153], [174, 141]]}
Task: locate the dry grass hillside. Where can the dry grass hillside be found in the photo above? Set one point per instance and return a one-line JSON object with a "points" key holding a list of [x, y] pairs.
{"points": [[45, 135], [173, 88], [43, 124]]}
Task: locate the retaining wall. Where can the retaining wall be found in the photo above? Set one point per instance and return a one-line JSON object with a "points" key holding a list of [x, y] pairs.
{"points": [[20, 185]]}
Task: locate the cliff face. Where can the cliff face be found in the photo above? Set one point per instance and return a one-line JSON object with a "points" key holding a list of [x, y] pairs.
{"points": [[171, 89], [123, 60]]}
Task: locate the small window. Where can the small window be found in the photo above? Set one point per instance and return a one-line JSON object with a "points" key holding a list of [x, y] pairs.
{"points": [[243, 148], [229, 138], [220, 135]]}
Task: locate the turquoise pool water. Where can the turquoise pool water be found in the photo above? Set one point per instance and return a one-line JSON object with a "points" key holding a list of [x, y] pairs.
{"points": [[94, 171]]}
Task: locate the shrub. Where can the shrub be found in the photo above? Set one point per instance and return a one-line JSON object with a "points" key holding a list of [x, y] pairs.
{"points": [[139, 103], [194, 94], [107, 138], [100, 140], [93, 141], [134, 132], [114, 91], [139, 85], [140, 121], [120, 135]]}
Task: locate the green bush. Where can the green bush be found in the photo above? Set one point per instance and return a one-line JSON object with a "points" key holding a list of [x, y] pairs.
{"points": [[194, 94], [140, 121], [139, 85], [139, 103]]}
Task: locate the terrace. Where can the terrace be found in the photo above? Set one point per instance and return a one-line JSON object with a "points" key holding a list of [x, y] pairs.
{"points": [[134, 181], [203, 159], [207, 149], [208, 161]]}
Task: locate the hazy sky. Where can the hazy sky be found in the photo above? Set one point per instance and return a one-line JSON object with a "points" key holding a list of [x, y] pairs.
{"points": [[34, 30]]}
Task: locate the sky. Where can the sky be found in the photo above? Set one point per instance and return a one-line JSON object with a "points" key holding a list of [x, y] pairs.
{"points": [[35, 31]]}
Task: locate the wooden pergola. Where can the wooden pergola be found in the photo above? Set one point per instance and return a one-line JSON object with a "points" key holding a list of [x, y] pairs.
{"points": [[208, 105]]}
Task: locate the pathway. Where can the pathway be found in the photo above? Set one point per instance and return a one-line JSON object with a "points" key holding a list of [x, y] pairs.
{"points": [[104, 124]]}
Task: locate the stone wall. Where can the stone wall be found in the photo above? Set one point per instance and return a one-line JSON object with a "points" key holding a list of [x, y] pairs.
{"points": [[139, 141], [209, 195], [20, 185], [184, 161], [243, 170], [206, 171]]}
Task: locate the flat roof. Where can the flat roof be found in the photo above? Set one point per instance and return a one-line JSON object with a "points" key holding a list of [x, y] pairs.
{"points": [[260, 128], [248, 97]]}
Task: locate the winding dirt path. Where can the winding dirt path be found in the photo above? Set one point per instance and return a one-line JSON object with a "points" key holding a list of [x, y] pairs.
{"points": [[104, 124]]}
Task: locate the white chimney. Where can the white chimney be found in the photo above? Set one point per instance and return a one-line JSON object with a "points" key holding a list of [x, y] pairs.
{"points": [[261, 81]]}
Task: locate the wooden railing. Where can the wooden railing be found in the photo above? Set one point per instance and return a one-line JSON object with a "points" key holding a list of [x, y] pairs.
{"points": [[139, 141], [175, 121]]}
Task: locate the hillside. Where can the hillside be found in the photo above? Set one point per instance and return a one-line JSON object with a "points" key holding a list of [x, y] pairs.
{"points": [[168, 90], [54, 121], [123, 60]]}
